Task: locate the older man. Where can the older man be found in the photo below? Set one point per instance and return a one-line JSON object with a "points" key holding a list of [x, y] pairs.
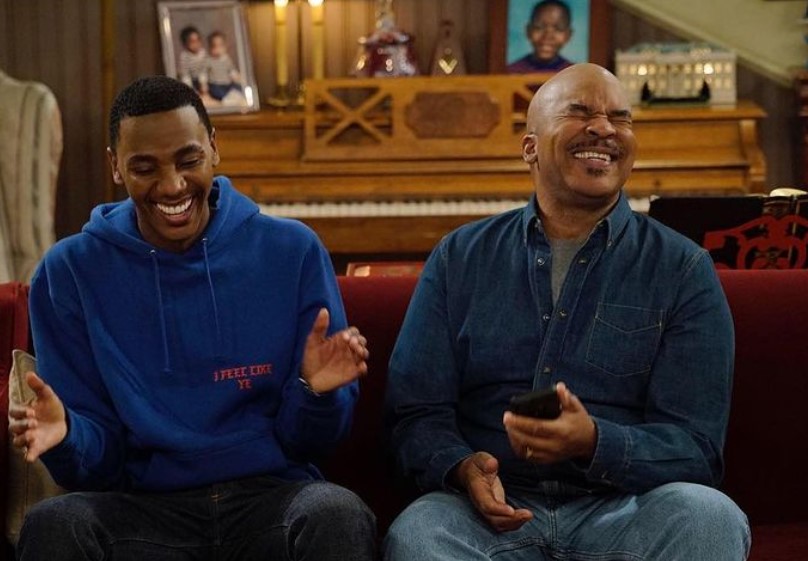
{"points": [[624, 315]]}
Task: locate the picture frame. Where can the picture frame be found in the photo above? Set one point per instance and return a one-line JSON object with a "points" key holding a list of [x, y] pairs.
{"points": [[591, 34], [206, 45]]}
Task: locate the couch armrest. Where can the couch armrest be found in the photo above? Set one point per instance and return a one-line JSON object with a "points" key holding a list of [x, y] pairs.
{"points": [[14, 333]]}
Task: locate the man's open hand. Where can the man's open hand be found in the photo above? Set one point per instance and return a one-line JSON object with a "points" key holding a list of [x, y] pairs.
{"points": [[477, 474], [332, 362], [38, 427]]}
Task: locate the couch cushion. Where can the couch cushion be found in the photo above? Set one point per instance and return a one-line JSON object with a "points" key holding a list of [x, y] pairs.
{"points": [[779, 542], [376, 305], [766, 451]]}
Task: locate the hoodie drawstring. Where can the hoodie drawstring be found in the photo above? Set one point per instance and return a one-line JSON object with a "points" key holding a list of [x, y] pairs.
{"points": [[213, 299], [167, 363], [163, 328]]}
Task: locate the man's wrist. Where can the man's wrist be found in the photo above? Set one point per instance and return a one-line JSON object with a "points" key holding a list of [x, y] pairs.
{"points": [[590, 443], [307, 387], [459, 473]]}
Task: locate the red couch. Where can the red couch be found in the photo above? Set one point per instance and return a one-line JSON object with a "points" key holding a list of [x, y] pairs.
{"points": [[767, 446]]}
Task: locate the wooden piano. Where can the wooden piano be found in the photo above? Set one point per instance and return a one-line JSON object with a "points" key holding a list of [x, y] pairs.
{"points": [[388, 166]]}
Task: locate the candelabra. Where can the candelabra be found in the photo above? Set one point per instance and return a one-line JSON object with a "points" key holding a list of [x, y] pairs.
{"points": [[283, 97]]}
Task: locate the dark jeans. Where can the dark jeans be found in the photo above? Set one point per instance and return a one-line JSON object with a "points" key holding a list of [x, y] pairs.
{"points": [[258, 519]]}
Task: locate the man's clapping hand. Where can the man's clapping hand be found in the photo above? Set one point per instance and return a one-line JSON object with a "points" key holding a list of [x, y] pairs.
{"points": [[332, 362]]}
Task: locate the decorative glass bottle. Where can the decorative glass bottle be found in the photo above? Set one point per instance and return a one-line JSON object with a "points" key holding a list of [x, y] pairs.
{"points": [[387, 51]]}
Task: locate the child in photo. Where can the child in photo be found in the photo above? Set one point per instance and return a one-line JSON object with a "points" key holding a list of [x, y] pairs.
{"points": [[224, 80], [548, 31], [192, 68]]}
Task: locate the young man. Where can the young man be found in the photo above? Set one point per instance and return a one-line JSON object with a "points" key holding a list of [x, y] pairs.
{"points": [[194, 362], [549, 29], [573, 289]]}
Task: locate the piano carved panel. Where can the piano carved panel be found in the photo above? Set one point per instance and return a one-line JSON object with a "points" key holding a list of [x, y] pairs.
{"points": [[416, 118], [452, 115], [367, 166]]}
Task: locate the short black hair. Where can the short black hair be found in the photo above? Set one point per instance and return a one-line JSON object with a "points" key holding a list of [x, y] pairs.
{"points": [[153, 94], [565, 10], [186, 33]]}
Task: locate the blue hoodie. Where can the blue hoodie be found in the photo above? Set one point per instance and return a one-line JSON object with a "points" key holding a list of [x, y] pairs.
{"points": [[181, 370]]}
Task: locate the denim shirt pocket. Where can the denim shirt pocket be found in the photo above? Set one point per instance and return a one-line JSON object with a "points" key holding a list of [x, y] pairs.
{"points": [[624, 339]]}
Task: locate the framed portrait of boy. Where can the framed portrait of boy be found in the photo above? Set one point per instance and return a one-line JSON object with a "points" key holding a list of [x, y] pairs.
{"points": [[206, 45], [547, 35]]}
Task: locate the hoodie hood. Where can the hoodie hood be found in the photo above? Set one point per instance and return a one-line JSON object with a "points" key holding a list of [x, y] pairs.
{"points": [[116, 222]]}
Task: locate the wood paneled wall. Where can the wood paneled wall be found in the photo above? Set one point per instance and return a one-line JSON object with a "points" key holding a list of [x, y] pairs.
{"points": [[58, 42]]}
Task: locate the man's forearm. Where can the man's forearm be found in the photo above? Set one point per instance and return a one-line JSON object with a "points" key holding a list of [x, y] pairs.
{"points": [[641, 457]]}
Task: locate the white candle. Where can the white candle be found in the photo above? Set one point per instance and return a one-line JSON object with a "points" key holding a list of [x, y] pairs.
{"points": [[282, 70], [317, 39]]}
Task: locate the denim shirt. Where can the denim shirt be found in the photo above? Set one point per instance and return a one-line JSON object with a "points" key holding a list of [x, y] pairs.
{"points": [[641, 333]]}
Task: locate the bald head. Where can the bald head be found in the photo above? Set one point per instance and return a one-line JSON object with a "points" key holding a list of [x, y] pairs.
{"points": [[579, 77], [579, 143]]}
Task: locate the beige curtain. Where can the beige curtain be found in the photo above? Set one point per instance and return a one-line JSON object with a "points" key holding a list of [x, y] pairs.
{"points": [[30, 150]]}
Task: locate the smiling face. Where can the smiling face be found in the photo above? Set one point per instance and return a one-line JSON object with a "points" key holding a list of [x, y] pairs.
{"points": [[580, 143], [166, 160], [548, 33]]}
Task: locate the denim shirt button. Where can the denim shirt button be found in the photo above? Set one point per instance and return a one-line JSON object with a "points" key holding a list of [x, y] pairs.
{"points": [[562, 313], [546, 317], [540, 261], [583, 261], [547, 370]]}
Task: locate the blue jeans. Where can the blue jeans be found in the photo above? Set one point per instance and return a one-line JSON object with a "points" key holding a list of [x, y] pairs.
{"points": [[256, 519], [677, 521]]}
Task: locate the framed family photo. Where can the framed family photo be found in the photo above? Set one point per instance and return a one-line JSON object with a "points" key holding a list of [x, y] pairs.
{"points": [[206, 45], [547, 35]]}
